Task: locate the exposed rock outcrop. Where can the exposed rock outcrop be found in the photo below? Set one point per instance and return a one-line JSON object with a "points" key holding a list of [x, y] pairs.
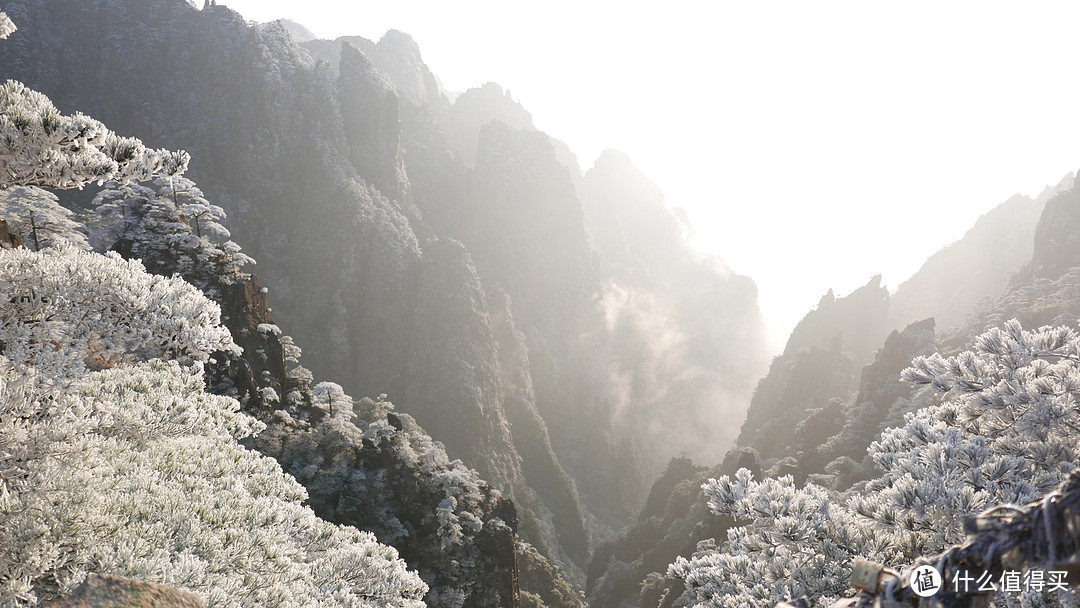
{"points": [[881, 402], [453, 375], [1057, 238], [7, 239], [854, 324], [369, 108], [473, 109], [819, 364], [246, 312], [107, 591], [980, 265], [396, 55]]}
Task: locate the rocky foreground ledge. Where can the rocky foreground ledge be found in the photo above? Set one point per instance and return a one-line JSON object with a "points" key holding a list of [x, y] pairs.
{"points": [[106, 591]]}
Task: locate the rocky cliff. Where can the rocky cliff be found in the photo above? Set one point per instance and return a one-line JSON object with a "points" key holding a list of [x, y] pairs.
{"points": [[979, 265], [820, 363], [816, 412], [352, 180]]}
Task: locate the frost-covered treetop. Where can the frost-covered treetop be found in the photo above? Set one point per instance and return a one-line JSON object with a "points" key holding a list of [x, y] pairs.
{"points": [[1005, 432], [134, 469], [41, 147], [62, 310], [38, 217], [6, 26]]}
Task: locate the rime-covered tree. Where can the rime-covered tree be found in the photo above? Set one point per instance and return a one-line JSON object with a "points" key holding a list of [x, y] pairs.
{"points": [[89, 455], [170, 226], [7, 28], [1005, 431], [332, 397], [382, 467], [38, 217], [39, 146], [112, 456], [202, 215]]}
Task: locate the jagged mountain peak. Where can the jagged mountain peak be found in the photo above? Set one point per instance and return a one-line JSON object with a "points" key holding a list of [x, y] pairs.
{"points": [[856, 323], [1057, 247], [398, 55], [298, 31], [977, 266]]}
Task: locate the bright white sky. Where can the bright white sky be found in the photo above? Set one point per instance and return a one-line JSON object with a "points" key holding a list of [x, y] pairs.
{"points": [[814, 144]]}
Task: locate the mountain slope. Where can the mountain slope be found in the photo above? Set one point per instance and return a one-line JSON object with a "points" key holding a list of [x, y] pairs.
{"points": [[349, 183], [979, 265]]}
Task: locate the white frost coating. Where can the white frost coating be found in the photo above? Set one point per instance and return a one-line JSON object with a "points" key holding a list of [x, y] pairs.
{"points": [[169, 225], [269, 394], [37, 216], [133, 469], [63, 309], [7, 28], [1005, 431], [269, 328], [41, 147], [155, 486]]}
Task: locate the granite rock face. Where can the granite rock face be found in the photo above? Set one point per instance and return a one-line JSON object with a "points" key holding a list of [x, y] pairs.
{"points": [[7, 239], [978, 266], [820, 363], [1057, 244], [107, 591]]}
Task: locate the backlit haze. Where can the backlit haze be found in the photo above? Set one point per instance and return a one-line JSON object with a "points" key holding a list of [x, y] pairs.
{"points": [[812, 144]]}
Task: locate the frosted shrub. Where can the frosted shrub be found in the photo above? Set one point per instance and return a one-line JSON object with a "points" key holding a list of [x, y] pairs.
{"points": [[795, 541], [331, 397], [136, 471], [170, 226]]}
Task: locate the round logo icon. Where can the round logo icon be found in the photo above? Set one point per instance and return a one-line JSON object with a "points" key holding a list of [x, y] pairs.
{"points": [[925, 581]]}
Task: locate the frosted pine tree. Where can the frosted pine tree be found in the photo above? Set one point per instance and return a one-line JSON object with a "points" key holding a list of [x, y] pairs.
{"points": [[1006, 430], [331, 397], [41, 147], [112, 456], [37, 216], [203, 216], [170, 226]]}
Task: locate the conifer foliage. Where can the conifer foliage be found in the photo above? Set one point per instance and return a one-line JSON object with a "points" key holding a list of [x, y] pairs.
{"points": [[113, 458], [38, 214], [169, 225], [1004, 431], [132, 469], [39, 146]]}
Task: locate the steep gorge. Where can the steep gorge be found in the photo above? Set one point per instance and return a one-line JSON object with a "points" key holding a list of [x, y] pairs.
{"points": [[418, 248]]}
